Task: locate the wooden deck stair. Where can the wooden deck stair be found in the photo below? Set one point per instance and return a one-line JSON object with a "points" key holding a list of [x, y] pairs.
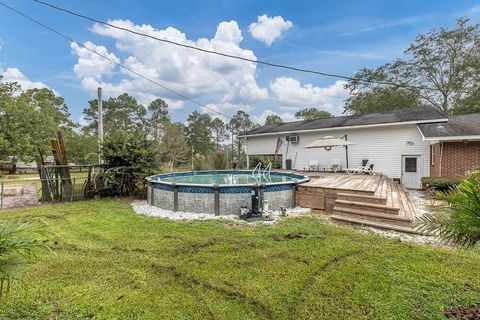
{"points": [[376, 201], [389, 208]]}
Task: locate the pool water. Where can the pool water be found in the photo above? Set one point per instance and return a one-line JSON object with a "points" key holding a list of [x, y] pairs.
{"points": [[228, 178]]}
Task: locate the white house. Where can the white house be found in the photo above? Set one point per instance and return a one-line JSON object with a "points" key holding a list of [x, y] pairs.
{"points": [[391, 139]]}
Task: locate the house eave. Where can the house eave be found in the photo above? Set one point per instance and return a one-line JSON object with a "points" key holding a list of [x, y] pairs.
{"points": [[345, 128], [452, 138]]}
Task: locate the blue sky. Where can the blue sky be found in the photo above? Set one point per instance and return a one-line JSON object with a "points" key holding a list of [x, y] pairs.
{"points": [[331, 36]]}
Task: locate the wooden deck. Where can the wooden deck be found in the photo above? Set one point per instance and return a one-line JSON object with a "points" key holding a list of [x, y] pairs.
{"points": [[377, 200]]}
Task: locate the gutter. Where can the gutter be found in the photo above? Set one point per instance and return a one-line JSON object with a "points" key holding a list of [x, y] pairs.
{"points": [[451, 138], [345, 128]]}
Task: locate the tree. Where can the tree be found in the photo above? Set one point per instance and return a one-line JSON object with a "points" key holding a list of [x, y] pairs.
{"points": [[81, 148], [29, 119], [312, 114], [442, 65], [274, 119], [174, 148], [123, 116], [459, 221], [199, 132], [239, 124], [219, 130], [381, 99], [159, 117]]}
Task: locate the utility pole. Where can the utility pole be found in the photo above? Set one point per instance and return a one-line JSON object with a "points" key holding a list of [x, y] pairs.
{"points": [[100, 125]]}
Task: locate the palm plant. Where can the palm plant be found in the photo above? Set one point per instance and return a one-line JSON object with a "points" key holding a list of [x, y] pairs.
{"points": [[458, 222], [16, 250]]}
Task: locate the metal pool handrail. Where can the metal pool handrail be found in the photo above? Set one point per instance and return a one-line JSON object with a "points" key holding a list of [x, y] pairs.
{"points": [[257, 167], [268, 169]]}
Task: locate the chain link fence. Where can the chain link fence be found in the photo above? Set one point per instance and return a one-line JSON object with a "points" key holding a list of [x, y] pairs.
{"points": [[55, 184]]}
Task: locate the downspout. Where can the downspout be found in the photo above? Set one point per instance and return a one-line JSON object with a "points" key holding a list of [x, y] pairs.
{"points": [[441, 159]]}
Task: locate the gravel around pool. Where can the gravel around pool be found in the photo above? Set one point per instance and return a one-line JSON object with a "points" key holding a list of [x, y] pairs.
{"points": [[142, 207]]}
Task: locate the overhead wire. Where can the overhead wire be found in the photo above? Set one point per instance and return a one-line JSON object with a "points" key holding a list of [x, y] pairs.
{"points": [[112, 61]]}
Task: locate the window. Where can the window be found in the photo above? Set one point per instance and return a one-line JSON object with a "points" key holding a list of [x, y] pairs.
{"points": [[410, 164], [432, 154]]}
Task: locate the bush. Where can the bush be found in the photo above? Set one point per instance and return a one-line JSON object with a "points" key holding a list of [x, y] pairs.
{"points": [[219, 160], [127, 164], [459, 221], [440, 184], [200, 163]]}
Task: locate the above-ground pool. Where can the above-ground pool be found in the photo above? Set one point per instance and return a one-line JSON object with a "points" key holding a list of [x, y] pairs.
{"points": [[222, 192]]}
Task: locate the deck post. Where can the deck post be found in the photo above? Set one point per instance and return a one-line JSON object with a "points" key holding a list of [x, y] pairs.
{"points": [[216, 199]]}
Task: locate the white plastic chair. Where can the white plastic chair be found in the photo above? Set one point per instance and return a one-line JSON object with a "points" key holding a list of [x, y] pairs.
{"points": [[367, 169], [312, 165], [335, 165]]}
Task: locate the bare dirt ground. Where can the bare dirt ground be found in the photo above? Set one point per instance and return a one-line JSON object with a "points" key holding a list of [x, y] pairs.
{"points": [[19, 196]]}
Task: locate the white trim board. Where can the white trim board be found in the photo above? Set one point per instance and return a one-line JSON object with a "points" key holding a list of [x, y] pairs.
{"points": [[452, 138]]}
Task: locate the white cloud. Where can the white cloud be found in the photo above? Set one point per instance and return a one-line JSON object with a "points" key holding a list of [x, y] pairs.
{"points": [[286, 116], [268, 29], [189, 72], [15, 75], [291, 93], [91, 65]]}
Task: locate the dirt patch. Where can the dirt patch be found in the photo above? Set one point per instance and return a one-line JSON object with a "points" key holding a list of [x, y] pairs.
{"points": [[293, 236], [20, 196], [471, 312]]}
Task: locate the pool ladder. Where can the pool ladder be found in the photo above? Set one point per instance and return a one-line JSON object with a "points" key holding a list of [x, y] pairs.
{"points": [[258, 168], [266, 172], [268, 169]]}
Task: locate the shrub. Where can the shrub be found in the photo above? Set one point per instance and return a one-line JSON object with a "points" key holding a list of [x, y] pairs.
{"points": [[127, 164], [200, 162], [219, 160], [440, 184], [459, 221]]}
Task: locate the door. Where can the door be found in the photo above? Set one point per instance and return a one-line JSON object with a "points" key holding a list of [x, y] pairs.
{"points": [[411, 172]]}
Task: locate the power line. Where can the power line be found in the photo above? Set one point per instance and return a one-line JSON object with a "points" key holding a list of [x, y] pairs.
{"points": [[111, 60], [223, 54]]}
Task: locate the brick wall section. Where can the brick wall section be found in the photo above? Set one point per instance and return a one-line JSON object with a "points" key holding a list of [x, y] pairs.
{"points": [[458, 158]]}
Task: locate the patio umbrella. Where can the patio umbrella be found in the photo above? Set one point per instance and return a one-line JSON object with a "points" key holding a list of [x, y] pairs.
{"points": [[328, 142]]}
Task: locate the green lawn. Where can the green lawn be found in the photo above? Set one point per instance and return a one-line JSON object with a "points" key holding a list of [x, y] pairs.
{"points": [[112, 264]]}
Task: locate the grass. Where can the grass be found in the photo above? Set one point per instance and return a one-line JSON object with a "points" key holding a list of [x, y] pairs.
{"points": [[112, 264]]}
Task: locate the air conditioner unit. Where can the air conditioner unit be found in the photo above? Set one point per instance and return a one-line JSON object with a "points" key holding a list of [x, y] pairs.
{"points": [[292, 139]]}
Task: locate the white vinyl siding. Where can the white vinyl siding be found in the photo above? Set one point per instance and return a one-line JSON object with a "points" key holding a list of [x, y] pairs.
{"points": [[384, 145]]}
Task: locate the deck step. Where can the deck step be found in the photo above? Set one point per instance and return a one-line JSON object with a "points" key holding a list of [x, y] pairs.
{"points": [[361, 198], [373, 216], [381, 208], [376, 224]]}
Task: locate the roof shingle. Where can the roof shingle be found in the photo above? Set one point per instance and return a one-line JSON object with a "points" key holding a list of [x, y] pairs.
{"points": [[404, 115], [457, 126]]}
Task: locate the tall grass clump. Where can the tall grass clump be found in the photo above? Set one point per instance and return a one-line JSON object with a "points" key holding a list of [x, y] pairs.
{"points": [[17, 248]]}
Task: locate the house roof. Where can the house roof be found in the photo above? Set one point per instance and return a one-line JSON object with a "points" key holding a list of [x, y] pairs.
{"points": [[416, 115], [461, 126]]}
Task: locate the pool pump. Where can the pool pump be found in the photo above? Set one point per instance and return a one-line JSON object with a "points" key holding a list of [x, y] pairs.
{"points": [[256, 210]]}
